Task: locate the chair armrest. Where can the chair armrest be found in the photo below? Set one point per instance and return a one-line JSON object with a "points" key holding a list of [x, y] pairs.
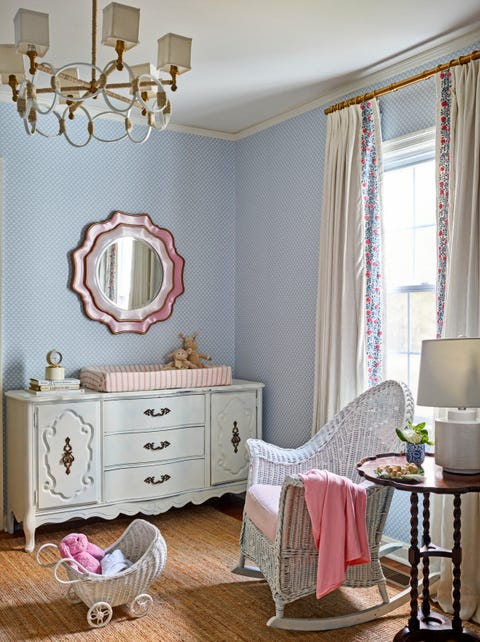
{"points": [[270, 464]]}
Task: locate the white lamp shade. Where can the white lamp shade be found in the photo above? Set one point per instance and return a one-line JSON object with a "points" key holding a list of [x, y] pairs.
{"points": [[450, 373], [174, 50], [31, 31], [11, 62], [120, 22], [146, 68]]}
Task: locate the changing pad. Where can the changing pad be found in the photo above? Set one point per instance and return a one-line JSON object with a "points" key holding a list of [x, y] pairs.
{"points": [[152, 377]]}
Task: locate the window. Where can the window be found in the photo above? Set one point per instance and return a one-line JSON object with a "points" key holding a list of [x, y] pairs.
{"points": [[410, 251]]}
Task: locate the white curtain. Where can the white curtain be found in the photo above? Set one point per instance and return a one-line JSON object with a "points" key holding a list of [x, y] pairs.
{"points": [[341, 356], [458, 137]]}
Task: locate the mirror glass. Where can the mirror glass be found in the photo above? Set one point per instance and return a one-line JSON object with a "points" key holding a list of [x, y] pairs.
{"points": [[130, 273]]}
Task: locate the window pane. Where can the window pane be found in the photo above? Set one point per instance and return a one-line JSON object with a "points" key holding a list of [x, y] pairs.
{"points": [[425, 255], [422, 319], [398, 198], [397, 321], [424, 193], [397, 366], [414, 372], [399, 261]]}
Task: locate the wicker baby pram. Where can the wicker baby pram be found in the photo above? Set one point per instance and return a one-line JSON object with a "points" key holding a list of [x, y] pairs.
{"points": [[142, 544]]}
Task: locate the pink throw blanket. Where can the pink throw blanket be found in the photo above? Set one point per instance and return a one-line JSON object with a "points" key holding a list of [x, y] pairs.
{"points": [[337, 509]]}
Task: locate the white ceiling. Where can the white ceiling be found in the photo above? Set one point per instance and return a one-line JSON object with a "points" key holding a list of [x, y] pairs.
{"points": [[253, 60]]}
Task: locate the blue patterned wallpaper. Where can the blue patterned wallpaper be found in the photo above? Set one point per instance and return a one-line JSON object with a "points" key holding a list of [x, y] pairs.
{"points": [[279, 178], [52, 192]]}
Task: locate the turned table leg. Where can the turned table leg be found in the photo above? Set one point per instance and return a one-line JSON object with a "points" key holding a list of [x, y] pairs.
{"points": [[414, 559], [426, 560], [456, 561]]}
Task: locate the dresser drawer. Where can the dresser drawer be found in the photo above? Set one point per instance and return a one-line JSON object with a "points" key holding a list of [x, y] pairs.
{"points": [[154, 412], [154, 480], [156, 445]]}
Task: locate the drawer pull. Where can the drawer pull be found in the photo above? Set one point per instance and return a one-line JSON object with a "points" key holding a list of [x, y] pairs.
{"points": [[152, 480], [68, 458], [151, 445], [235, 437], [151, 412]]}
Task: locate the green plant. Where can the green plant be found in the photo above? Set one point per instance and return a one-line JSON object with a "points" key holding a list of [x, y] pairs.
{"points": [[414, 434]]}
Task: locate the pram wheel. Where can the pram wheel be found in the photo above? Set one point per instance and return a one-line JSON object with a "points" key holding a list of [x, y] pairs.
{"points": [[141, 605], [99, 614]]}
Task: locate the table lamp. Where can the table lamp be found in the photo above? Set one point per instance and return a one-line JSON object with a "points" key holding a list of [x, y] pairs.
{"points": [[450, 378]]}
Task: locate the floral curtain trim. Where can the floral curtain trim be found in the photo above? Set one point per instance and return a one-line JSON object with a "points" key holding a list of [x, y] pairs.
{"points": [[443, 179], [373, 245]]}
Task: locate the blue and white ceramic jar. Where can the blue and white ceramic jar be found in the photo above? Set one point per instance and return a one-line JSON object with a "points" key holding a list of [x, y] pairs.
{"points": [[415, 453]]}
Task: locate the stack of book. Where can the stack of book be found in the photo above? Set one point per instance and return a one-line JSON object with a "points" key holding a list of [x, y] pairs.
{"points": [[46, 386]]}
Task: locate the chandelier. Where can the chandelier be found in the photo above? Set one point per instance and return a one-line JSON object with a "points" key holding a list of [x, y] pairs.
{"points": [[42, 91]]}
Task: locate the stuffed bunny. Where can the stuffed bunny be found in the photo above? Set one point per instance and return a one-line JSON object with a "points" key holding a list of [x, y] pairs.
{"points": [[180, 360], [77, 546]]}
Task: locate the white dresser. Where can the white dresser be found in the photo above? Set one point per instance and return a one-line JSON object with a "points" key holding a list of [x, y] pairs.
{"points": [[102, 454]]}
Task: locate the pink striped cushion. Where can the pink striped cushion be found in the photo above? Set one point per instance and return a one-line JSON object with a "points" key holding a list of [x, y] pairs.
{"points": [[151, 377], [261, 506]]}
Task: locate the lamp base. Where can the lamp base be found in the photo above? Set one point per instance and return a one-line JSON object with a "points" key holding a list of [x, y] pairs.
{"points": [[457, 446]]}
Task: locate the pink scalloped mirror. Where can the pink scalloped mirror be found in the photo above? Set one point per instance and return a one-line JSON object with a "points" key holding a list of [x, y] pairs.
{"points": [[127, 272]]}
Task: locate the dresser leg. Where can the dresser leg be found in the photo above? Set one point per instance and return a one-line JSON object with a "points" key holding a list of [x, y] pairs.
{"points": [[29, 530]]}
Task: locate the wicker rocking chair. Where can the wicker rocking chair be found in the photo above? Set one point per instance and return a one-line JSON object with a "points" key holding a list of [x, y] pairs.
{"points": [[287, 558]]}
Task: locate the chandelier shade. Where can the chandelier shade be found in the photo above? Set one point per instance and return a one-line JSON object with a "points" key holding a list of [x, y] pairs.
{"points": [[174, 50], [120, 22], [64, 94], [31, 32], [11, 63]]}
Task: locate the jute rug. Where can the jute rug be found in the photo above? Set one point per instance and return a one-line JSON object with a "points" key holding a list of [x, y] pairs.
{"points": [[196, 599]]}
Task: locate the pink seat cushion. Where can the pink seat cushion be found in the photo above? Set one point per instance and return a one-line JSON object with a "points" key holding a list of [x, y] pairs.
{"points": [[261, 506]]}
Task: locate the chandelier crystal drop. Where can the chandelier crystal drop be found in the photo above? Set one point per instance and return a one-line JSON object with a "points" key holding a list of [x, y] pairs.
{"points": [[73, 90]]}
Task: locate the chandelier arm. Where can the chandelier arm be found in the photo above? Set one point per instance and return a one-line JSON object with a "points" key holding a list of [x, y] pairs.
{"points": [[77, 103], [46, 68], [12, 82]]}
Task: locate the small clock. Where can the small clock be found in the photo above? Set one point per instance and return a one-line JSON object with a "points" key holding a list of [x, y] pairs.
{"points": [[54, 358], [54, 371]]}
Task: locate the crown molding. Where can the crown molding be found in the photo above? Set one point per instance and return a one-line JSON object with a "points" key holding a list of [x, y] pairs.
{"points": [[404, 62], [198, 131]]}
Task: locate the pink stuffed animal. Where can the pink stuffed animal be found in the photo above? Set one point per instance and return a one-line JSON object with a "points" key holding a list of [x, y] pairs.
{"points": [[77, 546]]}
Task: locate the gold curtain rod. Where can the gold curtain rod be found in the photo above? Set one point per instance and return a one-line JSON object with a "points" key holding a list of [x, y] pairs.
{"points": [[463, 60]]}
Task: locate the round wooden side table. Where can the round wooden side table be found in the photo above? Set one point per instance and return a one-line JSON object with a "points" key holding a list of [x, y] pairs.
{"points": [[429, 626]]}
